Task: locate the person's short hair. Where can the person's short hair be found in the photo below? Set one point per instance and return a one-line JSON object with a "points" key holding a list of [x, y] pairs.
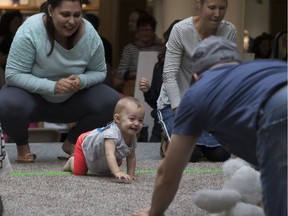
{"points": [[139, 11], [147, 19], [213, 50]]}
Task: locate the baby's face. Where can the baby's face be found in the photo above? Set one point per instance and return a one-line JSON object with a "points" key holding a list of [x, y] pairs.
{"points": [[131, 119]]}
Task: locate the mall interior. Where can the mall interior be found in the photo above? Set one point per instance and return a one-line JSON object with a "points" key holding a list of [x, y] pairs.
{"points": [[252, 18]]}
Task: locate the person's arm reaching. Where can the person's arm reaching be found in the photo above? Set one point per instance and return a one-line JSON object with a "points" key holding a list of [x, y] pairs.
{"points": [[169, 174]]}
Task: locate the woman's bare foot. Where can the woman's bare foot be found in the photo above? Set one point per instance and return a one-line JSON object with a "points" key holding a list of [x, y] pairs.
{"points": [[68, 147], [24, 154], [28, 158]]}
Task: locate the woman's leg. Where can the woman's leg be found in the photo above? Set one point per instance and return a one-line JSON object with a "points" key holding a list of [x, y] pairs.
{"points": [[95, 107], [211, 148], [156, 132], [215, 154], [168, 118], [90, 108], [17, 108], [196, 155]]}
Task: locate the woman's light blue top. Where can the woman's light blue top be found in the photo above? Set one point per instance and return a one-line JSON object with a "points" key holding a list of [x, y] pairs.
{"points": [[28, 66]]}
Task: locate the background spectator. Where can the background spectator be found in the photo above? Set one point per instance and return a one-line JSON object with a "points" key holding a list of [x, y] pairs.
{"points": [[262, 46], [9, 24], [125, 75], [177, 74], [151, 93]]}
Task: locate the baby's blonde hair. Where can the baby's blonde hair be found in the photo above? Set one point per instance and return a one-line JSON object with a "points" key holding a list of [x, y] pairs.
{"points": [[123, 102]]}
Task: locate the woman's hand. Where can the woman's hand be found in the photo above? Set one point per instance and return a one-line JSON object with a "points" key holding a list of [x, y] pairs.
{"points": [[70, 84], [144, 85]]}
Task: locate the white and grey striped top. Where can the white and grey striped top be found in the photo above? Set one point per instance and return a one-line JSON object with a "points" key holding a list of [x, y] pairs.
{"points": [[177, 72], [129, 58]]}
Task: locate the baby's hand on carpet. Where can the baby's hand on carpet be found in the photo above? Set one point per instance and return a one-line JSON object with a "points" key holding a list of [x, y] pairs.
{"points": [[120, 175]]}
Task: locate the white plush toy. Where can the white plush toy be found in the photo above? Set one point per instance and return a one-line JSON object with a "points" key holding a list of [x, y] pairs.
{"points": [[241, 194]]}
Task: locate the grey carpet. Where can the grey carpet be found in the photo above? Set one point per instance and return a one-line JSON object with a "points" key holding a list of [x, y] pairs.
{"points": [[42, 188]]}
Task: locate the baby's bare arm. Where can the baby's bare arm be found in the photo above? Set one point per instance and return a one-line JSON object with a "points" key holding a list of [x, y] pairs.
{"points": [[131, 165], [112, 162]]}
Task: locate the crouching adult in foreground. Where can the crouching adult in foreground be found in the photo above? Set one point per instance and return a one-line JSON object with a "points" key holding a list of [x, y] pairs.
{"points": [[245, 107], [54, 73]]}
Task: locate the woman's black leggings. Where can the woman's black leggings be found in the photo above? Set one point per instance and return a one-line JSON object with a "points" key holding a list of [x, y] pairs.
{"points": [[90, 108], [214, 154]]}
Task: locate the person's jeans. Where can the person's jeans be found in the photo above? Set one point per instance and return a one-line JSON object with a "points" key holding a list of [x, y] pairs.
{"points": [[272, 153], [205, 139]]}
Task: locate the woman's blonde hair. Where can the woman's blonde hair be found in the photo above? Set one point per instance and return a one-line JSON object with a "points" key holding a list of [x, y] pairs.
{"points": [[201, 2]]}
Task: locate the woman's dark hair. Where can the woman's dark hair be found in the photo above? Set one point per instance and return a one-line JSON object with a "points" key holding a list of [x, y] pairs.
{"points": [[5, 21], [203, 1], [50, 27], [256, 44], [166, 34], [93, 19], [147, 19], [139, 11]]}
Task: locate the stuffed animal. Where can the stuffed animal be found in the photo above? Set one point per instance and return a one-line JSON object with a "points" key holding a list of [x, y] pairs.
{"points": [[241, 194]]}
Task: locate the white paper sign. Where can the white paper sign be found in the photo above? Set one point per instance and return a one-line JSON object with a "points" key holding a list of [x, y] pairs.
{"points": [[146, 62]]}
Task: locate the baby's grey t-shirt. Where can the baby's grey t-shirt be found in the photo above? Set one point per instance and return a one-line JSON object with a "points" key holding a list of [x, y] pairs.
{"points": [[93, 147]]}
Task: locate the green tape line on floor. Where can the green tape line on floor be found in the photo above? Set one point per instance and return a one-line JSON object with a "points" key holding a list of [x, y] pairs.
{"points": [[39, 173], [137, 172], [185, 171]]}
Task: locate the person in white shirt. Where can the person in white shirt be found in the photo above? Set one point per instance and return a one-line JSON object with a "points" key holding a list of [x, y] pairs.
{"points": [[177, 73]]}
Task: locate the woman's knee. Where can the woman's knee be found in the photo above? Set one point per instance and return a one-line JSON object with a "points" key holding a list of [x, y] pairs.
{"points": [[15, 99], [216, 154], [102, 98], [196, 155]]}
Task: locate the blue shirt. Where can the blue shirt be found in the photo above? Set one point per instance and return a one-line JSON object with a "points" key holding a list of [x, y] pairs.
{"points": [[226, 102]]}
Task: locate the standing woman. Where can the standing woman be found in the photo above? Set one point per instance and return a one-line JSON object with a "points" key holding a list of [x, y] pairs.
{"points": [[54, 73], [177, 74]]}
